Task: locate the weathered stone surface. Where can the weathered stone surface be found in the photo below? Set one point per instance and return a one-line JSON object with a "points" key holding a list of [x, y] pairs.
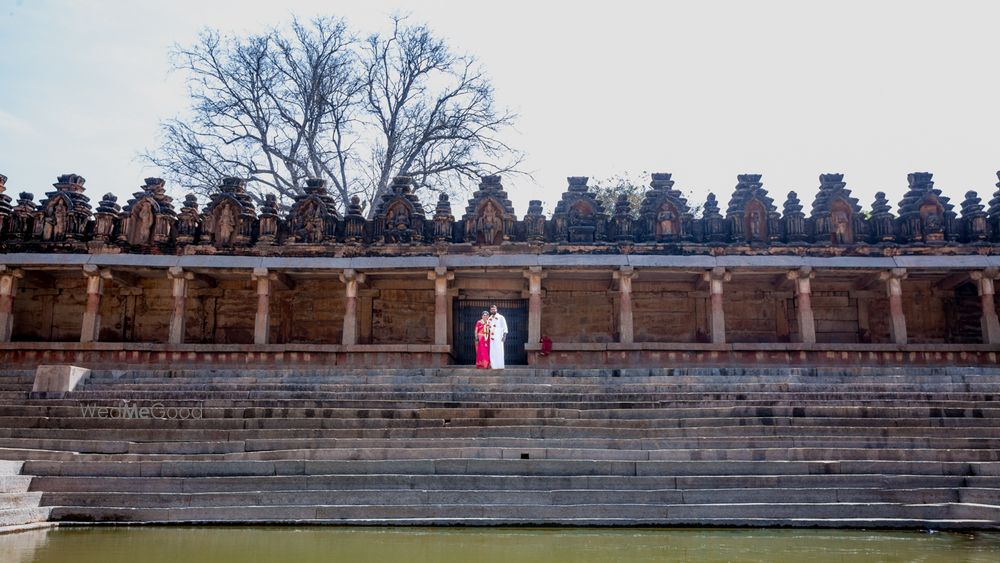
{"points": [[58, 379]]}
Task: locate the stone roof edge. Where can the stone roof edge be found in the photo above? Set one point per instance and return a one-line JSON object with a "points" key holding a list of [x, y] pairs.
{"points": [[498, 261]]}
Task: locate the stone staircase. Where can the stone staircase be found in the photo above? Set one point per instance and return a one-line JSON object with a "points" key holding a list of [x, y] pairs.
{"points": [[835, 447]]}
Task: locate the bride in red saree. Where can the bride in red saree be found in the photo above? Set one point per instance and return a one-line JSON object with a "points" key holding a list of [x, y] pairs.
{"points": [[483, 341]]}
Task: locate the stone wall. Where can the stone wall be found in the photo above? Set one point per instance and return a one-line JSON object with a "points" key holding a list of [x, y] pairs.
{"points": [[403, 316], [836, 316], [756, 316], [50, 313], [578, 311], [311, 313], [136, 314], [667, 313], [924, 308]]}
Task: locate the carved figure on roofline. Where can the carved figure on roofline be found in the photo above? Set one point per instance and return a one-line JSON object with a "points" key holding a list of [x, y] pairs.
{"points": [[65, 213], [443, 220], [22, 217], [148, 218], [925, 215], [794, 220], [5, 207], [751, 214], [534, 222], [106, 222], [664, 215], [836, 215], [354, 222], [230, 216], [268, 222], [399, 216], [230, 219], [621, 222], [579, 217], [188, 221], [974, 218], [489, 216], [313, 217]]}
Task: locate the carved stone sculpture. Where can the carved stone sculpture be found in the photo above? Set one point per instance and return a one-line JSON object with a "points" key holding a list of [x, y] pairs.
{"points": [[489, 216]]}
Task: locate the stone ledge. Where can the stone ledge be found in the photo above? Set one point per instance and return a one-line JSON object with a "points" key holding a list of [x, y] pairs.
{"points": [[505, 260], [760, 347], [223, 348]]}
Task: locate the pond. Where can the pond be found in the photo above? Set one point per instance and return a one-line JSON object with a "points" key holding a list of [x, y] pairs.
{"points": [[223, 544]]}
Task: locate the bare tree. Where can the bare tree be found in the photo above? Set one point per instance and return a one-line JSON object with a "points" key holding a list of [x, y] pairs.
{"points": [[313, 101]]}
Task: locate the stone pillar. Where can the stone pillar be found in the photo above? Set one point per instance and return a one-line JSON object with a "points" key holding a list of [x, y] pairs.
{"points": [[8, 285], [894, 289], [626, 331], [91, 330], [535, 275], [715, 279], [441, 276], [179, 281], [262, 320], [351, 279], [989, 321], [803, 303]]}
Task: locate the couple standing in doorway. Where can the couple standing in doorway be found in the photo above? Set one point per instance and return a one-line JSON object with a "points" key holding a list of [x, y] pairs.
{"points": [[491, 333]]}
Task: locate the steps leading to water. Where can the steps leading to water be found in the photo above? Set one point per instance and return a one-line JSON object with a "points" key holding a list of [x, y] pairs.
{"points": [[839, 447]]}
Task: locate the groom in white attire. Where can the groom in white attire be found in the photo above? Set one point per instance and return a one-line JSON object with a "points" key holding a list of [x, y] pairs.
{"points": [[498, 335]]}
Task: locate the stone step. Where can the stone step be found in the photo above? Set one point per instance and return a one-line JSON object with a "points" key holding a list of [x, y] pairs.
{"points": [[23, 515], [474, 452], [971, 427], [108, 446], [911, 375], [541, 483], [19, 500], [976, 495], [498, 467], [451, 409], [14, 483], [209, 411], [734, 393], [237, 429], [516, 371], [984, 447], [444, 385], [393, 497], [634, 513], [170, 431]]}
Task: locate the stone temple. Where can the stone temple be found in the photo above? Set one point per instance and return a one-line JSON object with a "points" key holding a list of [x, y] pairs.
{"points": [[223, 361]]}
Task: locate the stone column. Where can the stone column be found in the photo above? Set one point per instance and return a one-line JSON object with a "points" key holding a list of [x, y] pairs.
{"points": [[91, 330], [803, 303], [894, 289], [989, 321], [535, 275], [8, 285], [715, 279], [262, 320], [441, 276], [626, 330], [351, 279], [179, 280]]}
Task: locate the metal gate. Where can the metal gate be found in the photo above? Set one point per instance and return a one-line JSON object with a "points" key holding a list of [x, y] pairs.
{"points": [[468, 311]]}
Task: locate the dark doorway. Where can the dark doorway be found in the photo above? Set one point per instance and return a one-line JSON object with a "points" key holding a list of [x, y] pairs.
{"points": [[468, 311]]}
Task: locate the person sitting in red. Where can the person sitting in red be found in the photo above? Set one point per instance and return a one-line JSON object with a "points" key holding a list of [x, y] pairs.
{"points": [[546, 345]]}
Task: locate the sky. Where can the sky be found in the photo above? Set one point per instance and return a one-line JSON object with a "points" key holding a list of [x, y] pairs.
{"points": [[705, 90]]}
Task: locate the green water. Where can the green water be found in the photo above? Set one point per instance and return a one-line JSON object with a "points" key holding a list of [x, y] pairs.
{"points": [[482, 545]]}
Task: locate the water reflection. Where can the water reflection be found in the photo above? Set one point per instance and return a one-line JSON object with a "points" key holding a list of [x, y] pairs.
{"points": [[486, 545]]}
